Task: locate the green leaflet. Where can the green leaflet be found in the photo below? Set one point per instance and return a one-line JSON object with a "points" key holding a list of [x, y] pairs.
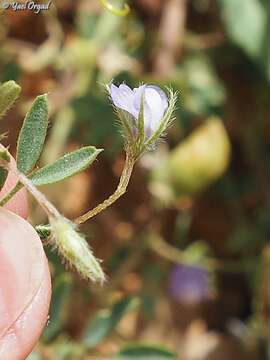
{"points": [[34, 356], [248, 30], [9, 92], [32, 135], [3, 172], [4, 155], [105, 321], [144, 352], [44, 231], [66, 166], [3, 177]]}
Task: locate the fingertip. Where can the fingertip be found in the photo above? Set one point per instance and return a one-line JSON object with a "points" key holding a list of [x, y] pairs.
{"points": [[25, 287], [18, 204], [22, 336]]}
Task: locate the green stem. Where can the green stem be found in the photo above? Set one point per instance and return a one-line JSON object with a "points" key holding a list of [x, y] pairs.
{"points": [[51, 211], [121, 189], [178, 256], [114, 10]]}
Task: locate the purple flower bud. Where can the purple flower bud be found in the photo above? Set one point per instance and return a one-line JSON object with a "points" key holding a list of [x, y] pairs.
{"points": [[155, 104], [189, 284]]}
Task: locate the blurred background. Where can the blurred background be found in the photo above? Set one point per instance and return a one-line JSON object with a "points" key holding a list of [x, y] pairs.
{"points": [[186, 250]]}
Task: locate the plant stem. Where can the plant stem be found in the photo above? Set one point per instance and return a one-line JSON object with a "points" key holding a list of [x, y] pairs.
{"points": [[118, 12], [175, 255], [121, 189], [50, 210], [48, 207]]}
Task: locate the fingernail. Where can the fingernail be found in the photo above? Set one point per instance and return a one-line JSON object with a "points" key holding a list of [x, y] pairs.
{"points": [[21, 267]]}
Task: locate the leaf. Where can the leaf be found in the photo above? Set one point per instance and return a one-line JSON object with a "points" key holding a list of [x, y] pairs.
{"points": [[3, 177], [44, 231], [67, 350], [34, 356], [144, 352], [68, 165], [9, 92], [247, 30], [59, 306], [3, 136], [105, 321], [32, 135], [4, 155]]}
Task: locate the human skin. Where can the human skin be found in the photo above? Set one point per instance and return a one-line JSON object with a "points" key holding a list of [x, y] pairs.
{"points": [[25, 285]]}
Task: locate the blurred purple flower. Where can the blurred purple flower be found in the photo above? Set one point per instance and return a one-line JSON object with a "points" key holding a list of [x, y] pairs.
{"points": [[189, 284], [155, 104]]}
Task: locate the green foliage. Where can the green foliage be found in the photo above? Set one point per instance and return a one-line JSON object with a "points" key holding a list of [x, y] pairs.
{"points": [[34, 356], [3, 172], [63, 122], [219, 63], [68, 165], [59, 307], [144, 352], [3, 177], [245, 21], [32, 135], [251, 30], [202, 92], [11, 70], [105, 321], [4, 155], [44, 231], [9, 92], [96, 127], [67, 350], [202, 157], [196, 252]]}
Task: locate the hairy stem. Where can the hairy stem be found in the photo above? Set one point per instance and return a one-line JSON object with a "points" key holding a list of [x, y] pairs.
{"points": [[121, 189], [51, 211], [41, 198]]}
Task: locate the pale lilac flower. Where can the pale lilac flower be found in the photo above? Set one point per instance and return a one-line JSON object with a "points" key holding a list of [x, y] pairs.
{"points": [[155, 104], [189, 284]]}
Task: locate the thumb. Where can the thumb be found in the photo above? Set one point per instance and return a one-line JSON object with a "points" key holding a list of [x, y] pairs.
{"points": [[24, 287]]}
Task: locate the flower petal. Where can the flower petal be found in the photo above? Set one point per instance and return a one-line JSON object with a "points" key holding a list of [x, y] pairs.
{"points": [[162, 94], [155, 104], [147, 120], [138, 92], [122, 97], [154, 98]]}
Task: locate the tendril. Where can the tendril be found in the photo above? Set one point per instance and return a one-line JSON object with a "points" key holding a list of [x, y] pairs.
{"points": [[118, 12]]}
